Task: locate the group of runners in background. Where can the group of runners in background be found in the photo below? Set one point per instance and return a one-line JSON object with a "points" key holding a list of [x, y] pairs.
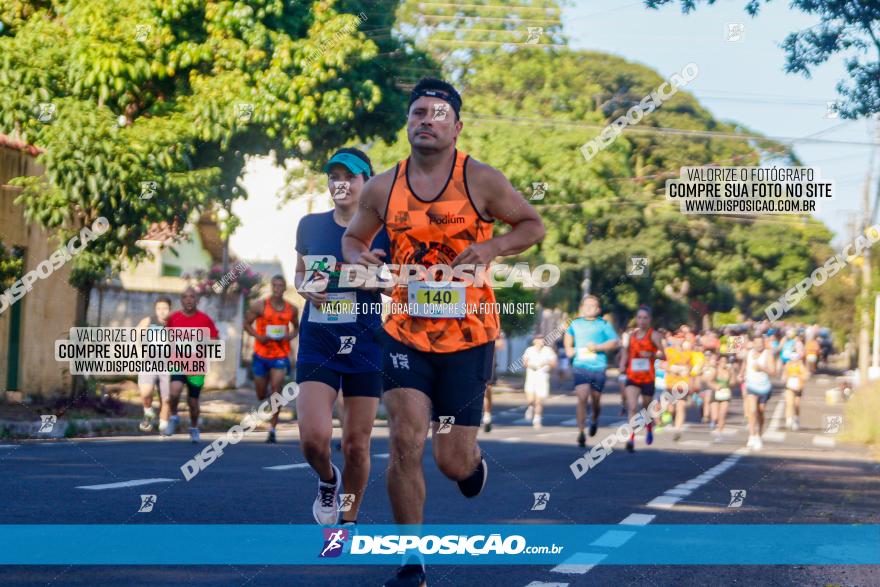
{"points": [[712, 367]]}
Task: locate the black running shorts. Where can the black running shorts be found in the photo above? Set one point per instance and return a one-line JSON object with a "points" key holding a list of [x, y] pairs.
{"points": [[454, 382], [644, 388], [351, 384]]}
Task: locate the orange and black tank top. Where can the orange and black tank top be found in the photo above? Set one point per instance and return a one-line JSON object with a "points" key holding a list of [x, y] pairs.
{"points": [[274, 324], [640, 366], [428, 230]]}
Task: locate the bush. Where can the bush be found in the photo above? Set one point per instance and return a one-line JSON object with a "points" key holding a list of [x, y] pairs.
{"points": [[862, 421]]}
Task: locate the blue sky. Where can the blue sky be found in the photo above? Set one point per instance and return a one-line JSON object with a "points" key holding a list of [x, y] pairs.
{"points": [[740, 81]]}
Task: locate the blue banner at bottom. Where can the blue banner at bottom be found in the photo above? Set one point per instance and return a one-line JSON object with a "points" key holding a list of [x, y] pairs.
{"points": [[512, 544]]}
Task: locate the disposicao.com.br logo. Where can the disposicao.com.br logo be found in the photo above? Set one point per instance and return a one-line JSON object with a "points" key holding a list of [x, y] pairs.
{"points": [[450, 544]]}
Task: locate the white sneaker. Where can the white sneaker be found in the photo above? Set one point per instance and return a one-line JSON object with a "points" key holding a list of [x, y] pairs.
{"points": [[163, 426], [751, 442], [325, 507], [795, 425], [172, 425], [759, 444], [788, 423], [487, 417], [536, 422], [194, 434], [530, 413]]}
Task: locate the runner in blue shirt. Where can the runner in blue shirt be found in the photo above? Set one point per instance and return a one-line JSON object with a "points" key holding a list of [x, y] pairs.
{"points": [[587, 341], [338, 348]]}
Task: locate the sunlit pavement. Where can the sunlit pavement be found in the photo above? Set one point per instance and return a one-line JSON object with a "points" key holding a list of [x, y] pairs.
{"points": [[799, 477]]}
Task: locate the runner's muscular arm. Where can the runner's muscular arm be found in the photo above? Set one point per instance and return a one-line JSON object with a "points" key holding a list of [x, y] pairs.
{"points": [[293, 325], [368, 221], [624, 355], [658, 342], [250, 315], [494, 196], [568, 343]]}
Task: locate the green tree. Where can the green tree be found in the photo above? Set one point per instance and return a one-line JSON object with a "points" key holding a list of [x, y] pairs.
{"points": [[146, 111], [528, 113], [515, 324], [11, 266], [166, 98], [845, 27]]}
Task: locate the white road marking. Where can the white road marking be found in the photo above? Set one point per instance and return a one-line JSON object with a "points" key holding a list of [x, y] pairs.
{"points": [[579, 563], [696, 442], [663, 501], [678, 492], [286, 467], [638, 519], [381, 455], [511, 439], [543, 584], [824, 441], [9, 445], [776, 418], [569, 422], [132, 483], [613, 538]]}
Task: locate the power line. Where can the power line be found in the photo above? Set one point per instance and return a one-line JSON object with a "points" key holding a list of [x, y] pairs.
{"points": [[665, 130]]}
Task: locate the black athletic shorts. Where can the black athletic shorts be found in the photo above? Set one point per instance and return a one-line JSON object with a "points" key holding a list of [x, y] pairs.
{"points": [[454, 382], [351, 384], [192, 391], [644, 388]]}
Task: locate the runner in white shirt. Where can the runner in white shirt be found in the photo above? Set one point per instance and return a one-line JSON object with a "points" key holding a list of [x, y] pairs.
{"points": [[758, 369], [539, 360]]}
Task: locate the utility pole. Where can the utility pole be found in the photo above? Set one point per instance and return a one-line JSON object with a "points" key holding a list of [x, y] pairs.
{"points": [[587, 281], [865, 294]]}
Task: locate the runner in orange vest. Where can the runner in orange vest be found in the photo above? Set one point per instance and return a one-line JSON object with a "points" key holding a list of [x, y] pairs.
{"points": [[438, 206], [644, 345], [273, 323]]}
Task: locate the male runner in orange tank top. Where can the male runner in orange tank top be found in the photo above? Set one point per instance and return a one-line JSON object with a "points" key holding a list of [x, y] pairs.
{"points": [[273, 322], [438, 207], [644, 344]]}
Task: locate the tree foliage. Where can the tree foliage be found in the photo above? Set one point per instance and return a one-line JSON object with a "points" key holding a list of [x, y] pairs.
{"points": [[11, 266], [179, 92], [528, 112], [846, 27]]}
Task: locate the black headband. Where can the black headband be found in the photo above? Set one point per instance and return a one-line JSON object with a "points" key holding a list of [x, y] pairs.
{"points": [[452, 99]]}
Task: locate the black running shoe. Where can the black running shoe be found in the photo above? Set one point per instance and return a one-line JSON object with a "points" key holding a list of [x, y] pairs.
{"points": [[582, 439], [271, 437], [630, 446], [487, 427], [593, 427], [473, 485], [407, 576]]}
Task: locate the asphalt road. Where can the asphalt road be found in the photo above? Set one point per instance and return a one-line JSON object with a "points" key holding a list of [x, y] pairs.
{"points": [[799, 477]]}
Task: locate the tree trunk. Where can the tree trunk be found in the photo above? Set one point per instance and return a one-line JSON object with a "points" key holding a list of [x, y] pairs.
{"points": [[78, 387]]}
